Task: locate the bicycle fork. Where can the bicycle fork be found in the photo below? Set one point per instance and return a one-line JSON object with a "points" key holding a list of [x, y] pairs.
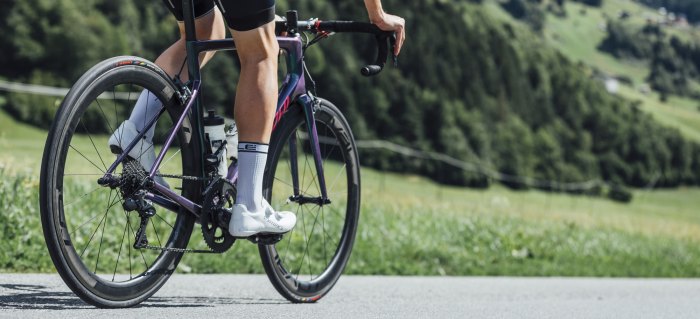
{"points": [[309, 105]]}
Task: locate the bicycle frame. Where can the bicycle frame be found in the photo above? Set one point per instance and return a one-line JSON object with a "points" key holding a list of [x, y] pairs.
{"points": [[292, 92]]}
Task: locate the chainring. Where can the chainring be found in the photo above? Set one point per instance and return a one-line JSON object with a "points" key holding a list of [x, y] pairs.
{"points": [[216, 213]]}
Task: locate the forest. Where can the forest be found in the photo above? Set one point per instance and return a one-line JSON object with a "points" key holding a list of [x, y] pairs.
{"points": [[691, 8], [468, 85]]}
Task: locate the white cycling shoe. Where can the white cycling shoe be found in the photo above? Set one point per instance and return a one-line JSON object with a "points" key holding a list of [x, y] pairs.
{"points": [[143, 151], [245, 223]]}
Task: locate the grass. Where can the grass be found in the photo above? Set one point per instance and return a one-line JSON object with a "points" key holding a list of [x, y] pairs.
{"points": [[21, 146], [677, 112], [578, 36], [412, 226]]}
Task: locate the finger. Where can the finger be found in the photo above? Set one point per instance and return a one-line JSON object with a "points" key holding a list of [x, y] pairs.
{"points": [[399, 41]]}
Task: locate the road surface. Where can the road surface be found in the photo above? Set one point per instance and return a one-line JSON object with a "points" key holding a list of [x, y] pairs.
{"points": [[252, 296]]}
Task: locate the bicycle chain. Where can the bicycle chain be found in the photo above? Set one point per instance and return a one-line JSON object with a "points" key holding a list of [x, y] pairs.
{"points": [[181, 250], [182, 177]]}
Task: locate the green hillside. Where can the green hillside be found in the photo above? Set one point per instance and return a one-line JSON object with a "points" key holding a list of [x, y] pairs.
{"points": [[472, 84], [578, 35]]}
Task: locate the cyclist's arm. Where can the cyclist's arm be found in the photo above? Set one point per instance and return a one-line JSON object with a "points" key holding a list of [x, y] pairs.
{"points": [[386, 22]]}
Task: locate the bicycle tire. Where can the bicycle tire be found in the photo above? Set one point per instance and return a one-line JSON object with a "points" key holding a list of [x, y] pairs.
{"points": [[337, 147], [58, 218]]}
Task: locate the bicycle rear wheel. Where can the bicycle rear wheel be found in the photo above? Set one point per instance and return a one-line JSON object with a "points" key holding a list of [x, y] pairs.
{"points": [[88, 233], [308, 261]]}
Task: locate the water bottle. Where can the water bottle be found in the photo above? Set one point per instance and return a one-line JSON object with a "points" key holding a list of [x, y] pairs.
{"points": [[214, 131], [232, 142]]}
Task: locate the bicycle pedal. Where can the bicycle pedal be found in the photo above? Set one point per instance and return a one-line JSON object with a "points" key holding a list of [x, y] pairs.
{"points": [[265, 239]]}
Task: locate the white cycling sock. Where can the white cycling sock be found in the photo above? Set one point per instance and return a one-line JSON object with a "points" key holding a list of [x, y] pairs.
{"points": [[251, 166], [147, 106]]}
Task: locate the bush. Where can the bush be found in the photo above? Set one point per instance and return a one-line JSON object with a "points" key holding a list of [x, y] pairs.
{"points": [[22, 245], [592, 3], [620, 194], [528, 11]]}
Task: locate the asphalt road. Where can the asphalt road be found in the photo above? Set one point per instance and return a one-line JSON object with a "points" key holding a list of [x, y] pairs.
{"points": [[252, 296]]}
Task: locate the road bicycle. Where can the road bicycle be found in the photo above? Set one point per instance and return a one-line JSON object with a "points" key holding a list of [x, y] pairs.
{"points": [[115, 236]]}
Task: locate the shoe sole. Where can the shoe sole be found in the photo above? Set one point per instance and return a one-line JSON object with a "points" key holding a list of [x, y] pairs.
{"points": [[244, 235]]}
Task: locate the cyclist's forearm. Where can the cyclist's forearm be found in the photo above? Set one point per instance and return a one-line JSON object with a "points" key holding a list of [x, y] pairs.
{"points": [[374, 10]]}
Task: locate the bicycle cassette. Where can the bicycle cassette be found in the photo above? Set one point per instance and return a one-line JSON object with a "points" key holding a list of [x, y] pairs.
{"points": [[216, 214]]}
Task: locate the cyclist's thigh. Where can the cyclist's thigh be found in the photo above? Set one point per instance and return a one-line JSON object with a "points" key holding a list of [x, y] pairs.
{"points": [[201, 7], [244, 15]]}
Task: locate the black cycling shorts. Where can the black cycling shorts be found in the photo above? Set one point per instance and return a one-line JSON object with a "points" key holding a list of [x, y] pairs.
{"points": [[240, 15]]}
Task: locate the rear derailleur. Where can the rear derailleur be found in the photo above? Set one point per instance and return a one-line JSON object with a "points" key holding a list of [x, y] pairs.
{"points": [[137, 202]]}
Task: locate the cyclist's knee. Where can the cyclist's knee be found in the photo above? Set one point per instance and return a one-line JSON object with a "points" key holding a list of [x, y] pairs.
{"points": [[258, 46]]}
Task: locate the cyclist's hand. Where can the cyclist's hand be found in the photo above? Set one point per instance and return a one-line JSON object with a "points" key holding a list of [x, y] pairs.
{"points": [[390, 22]]}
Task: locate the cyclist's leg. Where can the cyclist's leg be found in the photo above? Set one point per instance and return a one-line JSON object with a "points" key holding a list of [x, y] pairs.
{"points": [[256, 98], [252, 25], [209, 25]]}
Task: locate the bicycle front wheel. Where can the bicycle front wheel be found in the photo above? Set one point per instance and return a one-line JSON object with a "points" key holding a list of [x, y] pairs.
{"points": [[90, 236], [308, 261]]}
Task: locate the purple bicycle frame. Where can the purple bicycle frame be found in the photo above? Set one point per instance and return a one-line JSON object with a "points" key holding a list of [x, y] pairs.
{"points": [[292, 92]]}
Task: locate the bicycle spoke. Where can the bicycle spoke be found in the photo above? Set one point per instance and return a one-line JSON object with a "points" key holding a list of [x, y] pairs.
{"points": [[83, 224], [335, 242], [99, 248], [165, 221], [311, 272], [103, 115], [285, 183], [289, 238], [81, 154], [121, 244], [128, 241], [83, 196], [323, 229], [306, 249], [335, 179], [110, 205], [313, 178], [303, 225], [148, 96], [171, 157], [116, 116], [156, 232], [93, 144], [337, 211]]}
